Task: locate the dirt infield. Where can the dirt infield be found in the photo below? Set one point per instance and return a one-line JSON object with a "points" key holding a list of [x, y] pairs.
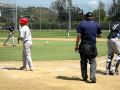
{"points": [[54, 75], [61, 39], [53, 39], [64, 39]]}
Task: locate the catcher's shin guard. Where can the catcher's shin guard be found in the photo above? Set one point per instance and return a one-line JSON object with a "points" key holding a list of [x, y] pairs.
{"points": [[116, 67], [108, 66], [117, 61]]}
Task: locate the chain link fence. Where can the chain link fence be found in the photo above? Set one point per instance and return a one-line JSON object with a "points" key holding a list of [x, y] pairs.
{"points": [[42, 19]]}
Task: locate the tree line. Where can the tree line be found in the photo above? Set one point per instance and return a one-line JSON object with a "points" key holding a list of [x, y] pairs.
{"points": [[58, 14]]}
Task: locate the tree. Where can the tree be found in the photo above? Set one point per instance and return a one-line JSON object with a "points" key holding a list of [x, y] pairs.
{"points": [[100, 12], [60, 7], [77, 14], [114, 10]]}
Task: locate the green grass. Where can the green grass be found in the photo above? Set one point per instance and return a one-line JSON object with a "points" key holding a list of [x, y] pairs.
{"points": [[53, 50], [44, 34], [51, 34], [105, 33], [102, 48]]}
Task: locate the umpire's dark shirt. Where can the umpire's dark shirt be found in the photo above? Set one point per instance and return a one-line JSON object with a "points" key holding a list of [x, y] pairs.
{"points": [[89, 30]]}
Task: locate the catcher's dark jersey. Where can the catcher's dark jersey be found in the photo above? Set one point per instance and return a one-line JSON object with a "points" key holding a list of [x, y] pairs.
{"points": [[115, 31]]}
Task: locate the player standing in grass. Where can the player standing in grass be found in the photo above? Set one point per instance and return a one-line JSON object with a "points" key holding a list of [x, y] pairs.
{"points": [[11, 35], [113, 48], [25, 36], [87, 31]]}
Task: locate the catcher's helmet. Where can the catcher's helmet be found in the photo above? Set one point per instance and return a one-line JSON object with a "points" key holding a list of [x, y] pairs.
{"points": [[89, 14], [23, 21]]}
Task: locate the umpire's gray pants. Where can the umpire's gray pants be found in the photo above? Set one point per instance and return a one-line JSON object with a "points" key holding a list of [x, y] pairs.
{"points": [[92, 63]]}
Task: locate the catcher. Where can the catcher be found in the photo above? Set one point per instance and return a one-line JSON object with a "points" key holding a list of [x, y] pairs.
{"points": [[113, 48], [10, 35]]}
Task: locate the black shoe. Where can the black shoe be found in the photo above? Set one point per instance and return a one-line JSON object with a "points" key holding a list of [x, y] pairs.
{"points": [[93, 80], [84, 79], [111, 73]]}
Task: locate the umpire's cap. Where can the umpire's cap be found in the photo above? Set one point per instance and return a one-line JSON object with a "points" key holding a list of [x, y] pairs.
{"points": [[89, 14], [23, 21]]}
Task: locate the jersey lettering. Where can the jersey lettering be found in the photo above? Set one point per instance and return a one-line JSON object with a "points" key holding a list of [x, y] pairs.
{"points": [[115, 26]]}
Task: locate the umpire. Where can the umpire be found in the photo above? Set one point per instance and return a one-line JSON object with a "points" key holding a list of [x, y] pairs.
{"points": [[87, 31]]}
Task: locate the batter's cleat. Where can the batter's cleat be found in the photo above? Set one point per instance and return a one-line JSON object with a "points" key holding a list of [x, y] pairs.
{"points": [[93, 80], [23, 68], [31, 69]]}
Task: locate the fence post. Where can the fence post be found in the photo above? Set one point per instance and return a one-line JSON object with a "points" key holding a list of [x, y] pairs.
{"points": [[109, 25]]}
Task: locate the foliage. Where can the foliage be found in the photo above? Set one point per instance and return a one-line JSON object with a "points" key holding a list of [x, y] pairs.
{"points": [[64, 7], [114, 12], [100, 12], [56, 17], [59, 7]]}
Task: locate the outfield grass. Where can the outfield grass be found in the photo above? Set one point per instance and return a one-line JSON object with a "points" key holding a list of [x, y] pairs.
{"points": [[44, 34], [47, 50], [54, 50], [51, 34]]}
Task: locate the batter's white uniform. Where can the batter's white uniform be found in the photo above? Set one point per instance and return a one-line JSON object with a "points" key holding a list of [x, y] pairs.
{"points": [[25, 33]]}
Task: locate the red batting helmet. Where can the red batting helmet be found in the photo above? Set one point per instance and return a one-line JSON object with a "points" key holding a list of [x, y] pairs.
{"points": [[23, 21]]}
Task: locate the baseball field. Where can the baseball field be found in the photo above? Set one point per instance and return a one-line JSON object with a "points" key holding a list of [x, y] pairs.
{"points": [[56, 65]]}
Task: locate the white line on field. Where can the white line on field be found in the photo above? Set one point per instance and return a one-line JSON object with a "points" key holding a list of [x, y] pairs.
{"points": [[101, 62]]}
